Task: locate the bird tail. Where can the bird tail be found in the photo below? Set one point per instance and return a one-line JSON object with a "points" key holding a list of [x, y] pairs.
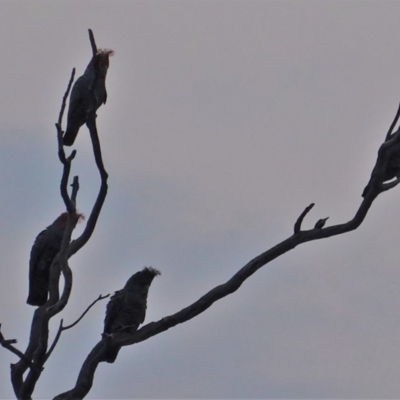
{"points": [[37, 291], [110, 353], [70, 135]]}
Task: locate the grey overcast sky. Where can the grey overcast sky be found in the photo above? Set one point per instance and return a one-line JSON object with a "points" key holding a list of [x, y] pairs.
{"points": [[224, 120]]}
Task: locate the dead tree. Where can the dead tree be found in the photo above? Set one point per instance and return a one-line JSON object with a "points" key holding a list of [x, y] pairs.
{"points": [[27, 371]]}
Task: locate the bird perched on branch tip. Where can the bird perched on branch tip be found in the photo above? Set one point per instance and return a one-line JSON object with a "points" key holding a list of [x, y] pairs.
{"points": [[88, 94]]}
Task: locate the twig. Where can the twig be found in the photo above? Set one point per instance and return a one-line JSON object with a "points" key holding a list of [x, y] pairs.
{"points": [[69, 205], [321, 223], [92, 42], [74, 193], [64, 100], [66, 161], [7, 344], [297, 225], [61, 153], [55, 341], [64, 328]]}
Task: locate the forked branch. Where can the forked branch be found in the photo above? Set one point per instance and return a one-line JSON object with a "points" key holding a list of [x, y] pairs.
{"points": [[86, 375], [62, 328], [37, 351]]}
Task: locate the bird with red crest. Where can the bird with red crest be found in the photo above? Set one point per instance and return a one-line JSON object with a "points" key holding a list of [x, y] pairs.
{"points": [[46, 247]]}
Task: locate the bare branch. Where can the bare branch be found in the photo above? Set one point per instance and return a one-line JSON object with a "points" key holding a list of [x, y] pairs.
{"points": [[297, 225], [57, 303], [92, 42], [86, 375], [8, 344], [36, 353], [55, 341], [64, 100], [64, 328], [236, 281], [75, 189], [18, 369], [321, 223], [91, 124], [64, 183], [92, 220], [66, 161], [61, 153]]}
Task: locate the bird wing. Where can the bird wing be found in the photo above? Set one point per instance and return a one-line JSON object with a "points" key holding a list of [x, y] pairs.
{"points": [[77, 99], [114, 307], [37, 251], [142, 313]]}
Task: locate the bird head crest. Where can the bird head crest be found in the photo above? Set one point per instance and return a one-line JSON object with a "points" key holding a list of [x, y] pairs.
{"points": [[143, 277], [151, 270], [105, 52], [63, 219]]}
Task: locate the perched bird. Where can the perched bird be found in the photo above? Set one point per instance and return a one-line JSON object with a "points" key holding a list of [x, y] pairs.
{"points": [[45, 248], [126, 309], [91, 86], [387, 166]]}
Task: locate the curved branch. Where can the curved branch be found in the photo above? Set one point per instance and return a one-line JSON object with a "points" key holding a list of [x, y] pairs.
{"points": [[66, 161], [18, 369], [86, 375], [64, 328], [38, 343], [64, 100], [244, 273], [55, 341], [94, 215], [8, 344], [297, 225]]}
